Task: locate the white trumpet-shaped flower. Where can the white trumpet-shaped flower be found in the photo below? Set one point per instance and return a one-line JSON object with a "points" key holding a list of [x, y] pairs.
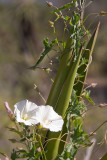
{"points": [[25, 112], [49, 119], [30, 114]]}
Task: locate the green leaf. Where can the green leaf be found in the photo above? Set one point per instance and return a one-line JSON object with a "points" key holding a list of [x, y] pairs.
{"points": [[46, 51], [87, 95], [66, 6], [66, 18], [15, 130], [14, 155], [76, 108], [3, 154], [69, 152], [22, 151], [23, 139], [13, 140]]}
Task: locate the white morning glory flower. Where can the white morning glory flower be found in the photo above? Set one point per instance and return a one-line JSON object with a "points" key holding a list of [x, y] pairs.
{"points": [[30, 114], [49, 119], [25, 112]]}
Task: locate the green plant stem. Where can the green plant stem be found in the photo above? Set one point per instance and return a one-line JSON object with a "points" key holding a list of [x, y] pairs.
{"points": [[16, 126], [41, 145], [82, 2], [88, 17], [61, 75], [62, 105]]}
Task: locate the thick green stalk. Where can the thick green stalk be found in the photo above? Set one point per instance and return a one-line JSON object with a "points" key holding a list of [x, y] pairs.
{"points": [[87, 54], [63, 102], [67, 88], [61, 74]]}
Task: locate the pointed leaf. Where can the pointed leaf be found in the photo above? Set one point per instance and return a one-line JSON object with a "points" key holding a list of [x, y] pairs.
{"points": [[15, 130], [46, 51], [66, 6]]}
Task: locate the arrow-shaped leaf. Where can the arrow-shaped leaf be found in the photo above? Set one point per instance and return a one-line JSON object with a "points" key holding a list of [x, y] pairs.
{"points": [[46, 51]]}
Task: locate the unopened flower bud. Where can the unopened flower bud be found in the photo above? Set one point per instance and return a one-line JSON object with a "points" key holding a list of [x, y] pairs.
{"points": [[6, 158], [35, 86], [51, 24], [50, 4], [51, 62], [9, 111], [103, 105], [93, 84], [19, 148], [85, 83], [48, 70], [102, 13], [39, 149]]}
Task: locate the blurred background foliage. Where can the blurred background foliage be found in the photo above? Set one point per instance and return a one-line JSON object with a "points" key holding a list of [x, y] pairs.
{"points": [[23, 26]]}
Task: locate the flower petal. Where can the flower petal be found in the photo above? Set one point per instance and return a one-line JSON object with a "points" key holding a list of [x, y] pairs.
{"points": [[25, 106], [30, 106], [28, 109], [48, 118], [29, 113], [55, 125], [20, 105]]}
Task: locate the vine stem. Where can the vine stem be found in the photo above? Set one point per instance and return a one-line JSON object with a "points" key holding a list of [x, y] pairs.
{"points": [[42, 147], [37, 89], [98, 128], [34, 139]]}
